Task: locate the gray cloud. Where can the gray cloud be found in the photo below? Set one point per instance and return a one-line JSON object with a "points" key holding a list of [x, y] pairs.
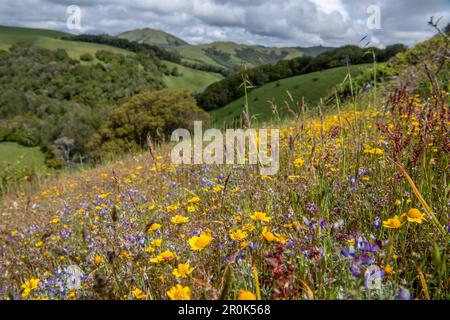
{"points": [[267, 22]]}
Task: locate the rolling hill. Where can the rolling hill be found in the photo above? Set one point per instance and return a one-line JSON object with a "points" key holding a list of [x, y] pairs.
{"points": [[311, 86], [224, 54], [189, 79], [153, 37], [50, 39]]}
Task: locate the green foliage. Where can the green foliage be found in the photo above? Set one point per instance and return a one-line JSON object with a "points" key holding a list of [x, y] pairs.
{"points": [[86, 57], [46, 95], [187, 78], [154, 114], [309, 88], [222, 93]]}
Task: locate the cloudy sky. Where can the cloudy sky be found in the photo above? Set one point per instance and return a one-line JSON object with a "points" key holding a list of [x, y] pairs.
{"points": [[265, 22]]}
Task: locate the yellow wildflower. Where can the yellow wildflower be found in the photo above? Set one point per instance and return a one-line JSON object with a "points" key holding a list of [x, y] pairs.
{"points": [[269, 236], [178, 219], [98, 260], [238, 235], [183, 270], [414, 215], [138, 294], [156, 242], [200, 242], [246, 295], [179, 293], [260, 216], [165, 256], [393, 223], [29, 286]]}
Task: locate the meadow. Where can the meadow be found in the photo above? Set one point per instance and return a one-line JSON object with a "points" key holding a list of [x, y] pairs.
{"points": [[190, 79], [358, 210]]}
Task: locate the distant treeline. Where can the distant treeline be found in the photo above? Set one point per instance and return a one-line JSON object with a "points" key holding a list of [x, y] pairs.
{"points": [[132, 46], [145, 48], [221, 93]]}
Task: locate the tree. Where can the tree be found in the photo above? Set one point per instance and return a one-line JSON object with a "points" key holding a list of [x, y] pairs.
{"points": [[65, 145], [156, 114]]}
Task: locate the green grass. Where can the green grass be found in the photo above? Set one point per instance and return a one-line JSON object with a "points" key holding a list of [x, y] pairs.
{"points": [[50, 39], [192, 80], [196, 54], [311, 86], [14, 153]]}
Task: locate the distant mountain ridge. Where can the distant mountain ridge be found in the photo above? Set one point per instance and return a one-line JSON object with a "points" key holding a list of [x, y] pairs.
{"points": [[153, 37], [224, 54]]}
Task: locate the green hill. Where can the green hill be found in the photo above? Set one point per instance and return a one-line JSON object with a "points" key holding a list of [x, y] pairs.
{"points": [[188, 79], [311, 86], [223, 54], [50, 39], [153, 37], [230, 55], [15, 154]]}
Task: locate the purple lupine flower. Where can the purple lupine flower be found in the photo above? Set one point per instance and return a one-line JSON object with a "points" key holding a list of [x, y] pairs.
{"points": [[404, 294], [377, 223], [311, 207]]}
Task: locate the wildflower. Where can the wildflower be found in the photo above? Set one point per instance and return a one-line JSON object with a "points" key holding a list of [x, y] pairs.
{"points": [[179, 219], [238, 235], [72, 295], [398, 202], [404, 294], [299, 162], [154, 226], [138, 294], [246, 295], [260, 216], [98, 260], [351, 241], [183, 270], [388, 270], [165, 256], [194, 200], [414, 215], [191, 209], [150, 250], [179, 293], [244, 244], [200, 242], [393, 223], [39, 244], [29, 286], [156, 242], [54, 220], [248, 227], [269, 236]]}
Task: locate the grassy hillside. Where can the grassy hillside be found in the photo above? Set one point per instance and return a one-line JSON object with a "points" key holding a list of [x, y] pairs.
{"points": [[190, 79], [311, 86], [50, 39], [230, 55], [12, 153], [153, 37]]}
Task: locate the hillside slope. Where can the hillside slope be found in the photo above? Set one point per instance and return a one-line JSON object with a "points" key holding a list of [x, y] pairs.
{"points": [[153, 37], [311, 87], [188, 78], [50, 39]]}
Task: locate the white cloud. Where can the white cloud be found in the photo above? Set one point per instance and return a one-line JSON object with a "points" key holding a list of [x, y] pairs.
{"points": [[267, 22]]}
